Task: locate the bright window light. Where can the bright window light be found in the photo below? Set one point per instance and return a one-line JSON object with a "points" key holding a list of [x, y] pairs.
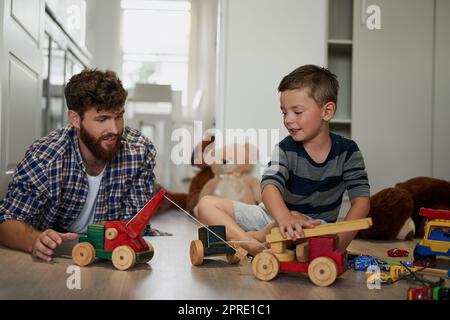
{"points": [[156, 43]]}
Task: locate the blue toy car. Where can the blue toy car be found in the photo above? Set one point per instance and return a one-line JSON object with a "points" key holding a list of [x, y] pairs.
{"points": [[361, 263]]}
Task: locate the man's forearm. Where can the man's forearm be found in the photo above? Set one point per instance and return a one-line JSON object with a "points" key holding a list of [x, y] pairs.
{"points": [[17, 235]]}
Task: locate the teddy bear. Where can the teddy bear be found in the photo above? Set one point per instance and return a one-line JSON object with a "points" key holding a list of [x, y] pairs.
{"points": [[221, 172], [232, 175], [189, 200], [395, 210]]}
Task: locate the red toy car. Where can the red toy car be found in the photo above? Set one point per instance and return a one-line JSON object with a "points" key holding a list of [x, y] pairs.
{"points": [[396, 252]]}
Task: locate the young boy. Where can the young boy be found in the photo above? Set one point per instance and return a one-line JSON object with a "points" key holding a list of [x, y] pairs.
{"points": [[308, 173]]}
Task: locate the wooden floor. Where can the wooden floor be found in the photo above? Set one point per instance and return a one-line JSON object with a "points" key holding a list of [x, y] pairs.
{"points": [[169, 275]]}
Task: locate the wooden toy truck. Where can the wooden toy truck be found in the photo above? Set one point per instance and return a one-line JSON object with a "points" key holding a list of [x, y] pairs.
{"points": [[318, 256], [436, 240], [119, 241], [210, 245]]}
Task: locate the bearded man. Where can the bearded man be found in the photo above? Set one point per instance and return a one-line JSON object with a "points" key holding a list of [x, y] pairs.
{"points": [[92, 170]]}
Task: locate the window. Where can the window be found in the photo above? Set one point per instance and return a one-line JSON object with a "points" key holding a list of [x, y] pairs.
{"points": [[156, 43], [62, 58]]}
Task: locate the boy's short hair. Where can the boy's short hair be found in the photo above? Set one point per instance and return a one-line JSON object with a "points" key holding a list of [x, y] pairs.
{"points": [[322, 84], [102, 89]]}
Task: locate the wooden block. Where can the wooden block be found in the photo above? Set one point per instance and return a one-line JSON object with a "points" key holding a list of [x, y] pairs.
{"points": [[286, 256], [301, 252], [278, 247], [241, 253], [323, 229]]}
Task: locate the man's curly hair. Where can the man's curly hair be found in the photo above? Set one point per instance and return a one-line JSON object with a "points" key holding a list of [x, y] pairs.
{"points": [[95, 88]]}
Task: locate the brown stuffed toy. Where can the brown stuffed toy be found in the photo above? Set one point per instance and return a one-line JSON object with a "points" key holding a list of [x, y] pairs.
{"points": [[395, 211], [189, 200], [232, 177]]}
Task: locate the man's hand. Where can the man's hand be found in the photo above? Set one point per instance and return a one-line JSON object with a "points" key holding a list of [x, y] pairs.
{"points": [[48, 241], [295, 221]]}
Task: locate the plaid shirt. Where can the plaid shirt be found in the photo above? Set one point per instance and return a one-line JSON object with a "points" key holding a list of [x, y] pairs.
{"points": [[49, 186]]}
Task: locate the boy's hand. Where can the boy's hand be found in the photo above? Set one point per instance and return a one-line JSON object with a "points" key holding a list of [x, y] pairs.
{"points": [[299, 215], [295, 221], [48, 241]]}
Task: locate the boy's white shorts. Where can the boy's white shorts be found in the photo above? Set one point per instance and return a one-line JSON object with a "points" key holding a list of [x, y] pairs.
{"points": [[254, 217]]}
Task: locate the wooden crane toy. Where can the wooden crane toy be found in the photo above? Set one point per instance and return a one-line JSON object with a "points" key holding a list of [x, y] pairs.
{"points": [[119, 241], [317, 256]]}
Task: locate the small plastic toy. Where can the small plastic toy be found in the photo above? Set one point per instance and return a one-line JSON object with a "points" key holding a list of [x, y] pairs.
{"points": [[210, 245], [436, 240], [119, 241], [421, 293], [361, 263], [396, 252], [428, 293], [394, 273], [317, 256]]}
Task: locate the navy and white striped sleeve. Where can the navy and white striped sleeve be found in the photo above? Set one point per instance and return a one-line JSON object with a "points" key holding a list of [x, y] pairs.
{"points": [[355, 175], [277, 172]]}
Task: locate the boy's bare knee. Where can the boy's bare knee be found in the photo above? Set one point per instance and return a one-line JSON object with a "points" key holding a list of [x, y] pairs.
{"points": [[205, 204]]}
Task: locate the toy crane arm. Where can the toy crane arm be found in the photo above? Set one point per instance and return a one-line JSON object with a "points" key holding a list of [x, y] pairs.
{"points": [[435, 214], [138, 222], [323, 229]]}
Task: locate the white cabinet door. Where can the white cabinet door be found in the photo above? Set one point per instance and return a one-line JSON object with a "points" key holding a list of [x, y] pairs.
{"points": [[392, 89], [21, 74]]}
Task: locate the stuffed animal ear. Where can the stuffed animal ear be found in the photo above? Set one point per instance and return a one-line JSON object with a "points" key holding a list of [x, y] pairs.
{"points": [[240, 153], [199, 153]]}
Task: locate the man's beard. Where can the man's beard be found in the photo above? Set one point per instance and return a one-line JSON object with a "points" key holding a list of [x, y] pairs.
{"points": [[94, 145]]}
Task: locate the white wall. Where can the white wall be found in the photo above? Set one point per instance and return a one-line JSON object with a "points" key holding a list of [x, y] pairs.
{"points": [[103, 34], [441, 112], [392, 94], [260, 41]]}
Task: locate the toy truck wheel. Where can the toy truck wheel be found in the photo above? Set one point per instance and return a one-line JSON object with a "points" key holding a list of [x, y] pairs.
{"points": [[265, 266], [232, 258], [111, 233], [83, 254], [426, 261], [150, 248], [123, 257], [322, 271], [197, 252]]}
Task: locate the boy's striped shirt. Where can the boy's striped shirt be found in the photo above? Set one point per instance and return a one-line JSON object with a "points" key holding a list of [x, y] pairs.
{"points": [[316, 189]]}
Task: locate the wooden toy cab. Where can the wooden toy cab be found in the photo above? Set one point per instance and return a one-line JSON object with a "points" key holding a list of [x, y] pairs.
{"points": [[317, 256], [119, 241], [210, 245]]}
